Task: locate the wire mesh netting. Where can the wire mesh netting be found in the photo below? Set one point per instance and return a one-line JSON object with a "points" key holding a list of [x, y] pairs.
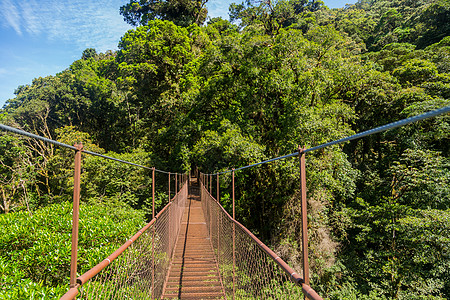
{"points": [[247, 271], [140, 272]]}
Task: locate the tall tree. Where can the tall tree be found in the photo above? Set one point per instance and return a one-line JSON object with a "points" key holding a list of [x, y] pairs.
{"points": [[273, 14], [181, 12]]}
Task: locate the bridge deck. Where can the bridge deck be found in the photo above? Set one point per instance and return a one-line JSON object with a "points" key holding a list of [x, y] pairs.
{"points": [[193, 273]]}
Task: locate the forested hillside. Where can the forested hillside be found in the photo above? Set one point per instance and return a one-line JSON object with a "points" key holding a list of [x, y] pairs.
{"points": [[184, 93]]}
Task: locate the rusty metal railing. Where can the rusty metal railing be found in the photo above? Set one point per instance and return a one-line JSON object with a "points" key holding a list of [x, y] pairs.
{"points": [[216, 216], [162, 238], [249, 269], [137, 269], [248, 255]]}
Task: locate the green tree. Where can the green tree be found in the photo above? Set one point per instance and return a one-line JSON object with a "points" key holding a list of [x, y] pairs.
{"points": [[180, 12], [435, 23], [88, 53], [17, 174], [273, 15]]}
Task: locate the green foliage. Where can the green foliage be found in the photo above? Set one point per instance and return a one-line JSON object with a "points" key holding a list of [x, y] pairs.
{"points": [[219, 149], [416, 71], [16, 174], [35, 248], [384, 22], [435, 23], [107, 179], [225, 95], [88, 53], [420, 179], [182, 13], [425, 234], [61, 165], [274, 15]]}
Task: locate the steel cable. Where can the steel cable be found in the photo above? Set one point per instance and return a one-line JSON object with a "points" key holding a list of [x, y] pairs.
{"points": [[44, 139], [386, 127]]}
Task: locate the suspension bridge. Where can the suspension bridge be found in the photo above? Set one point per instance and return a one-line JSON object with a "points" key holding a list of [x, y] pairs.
{"points": [[193, 248]]}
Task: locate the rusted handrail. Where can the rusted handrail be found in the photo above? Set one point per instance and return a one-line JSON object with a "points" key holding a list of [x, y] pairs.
{"points": [[293, 276], [84, 278], [104, 263], [307, 290]]}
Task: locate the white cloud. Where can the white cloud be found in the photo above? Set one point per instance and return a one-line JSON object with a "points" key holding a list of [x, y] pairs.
{"points": [[32, 22], [11, 16], [84, 23]]}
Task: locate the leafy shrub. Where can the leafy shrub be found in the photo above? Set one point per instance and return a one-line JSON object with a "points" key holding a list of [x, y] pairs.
{"points": [[35, 249]]}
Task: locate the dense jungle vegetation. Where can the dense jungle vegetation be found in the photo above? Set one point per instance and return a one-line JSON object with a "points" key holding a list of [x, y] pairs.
{"points": [[185, 92]]}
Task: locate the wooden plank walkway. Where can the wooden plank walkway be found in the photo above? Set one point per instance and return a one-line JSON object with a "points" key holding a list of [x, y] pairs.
{"points": [[193, 273]]}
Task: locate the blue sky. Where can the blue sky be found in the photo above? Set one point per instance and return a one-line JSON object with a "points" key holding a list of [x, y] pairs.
{"points": [[43, 37]]}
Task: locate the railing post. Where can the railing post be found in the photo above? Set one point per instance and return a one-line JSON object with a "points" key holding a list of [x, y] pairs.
{"points": [[210, 184], [169, 188], [153, 234], [234, 240], [186, 191], [218, 223], [208, 209], [218, 186], [170, 221], [75, 215], [176, 183], [153, 192], [304, 215]]}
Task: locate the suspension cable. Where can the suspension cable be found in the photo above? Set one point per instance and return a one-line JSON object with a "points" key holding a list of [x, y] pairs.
{"points": [[382, 128], [47, 140]]}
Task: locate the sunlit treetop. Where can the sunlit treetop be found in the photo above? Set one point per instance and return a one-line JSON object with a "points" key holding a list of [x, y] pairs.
{"points": [[181, 12]]}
